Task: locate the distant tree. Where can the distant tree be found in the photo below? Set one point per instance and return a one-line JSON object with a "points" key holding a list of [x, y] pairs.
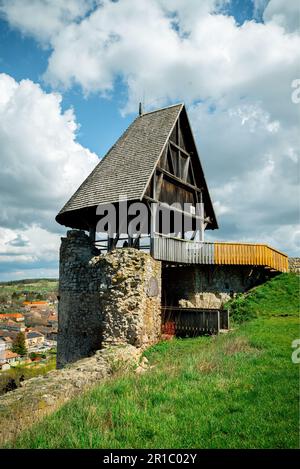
{"points": [[19, 345]]}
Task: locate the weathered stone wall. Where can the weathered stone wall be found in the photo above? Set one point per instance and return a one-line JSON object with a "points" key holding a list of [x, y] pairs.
{"points": [[79, 316], [105, 300], [205, 286], [294, 264], [130, 297]]}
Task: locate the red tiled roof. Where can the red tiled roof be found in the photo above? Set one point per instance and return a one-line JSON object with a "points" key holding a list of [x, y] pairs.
{"points": [[34, 303], [11, 316], [8, 354]]}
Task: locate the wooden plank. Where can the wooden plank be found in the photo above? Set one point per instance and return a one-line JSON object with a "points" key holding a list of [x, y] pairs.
{"points": [[179, 180], [174, 249], [178, 147]]}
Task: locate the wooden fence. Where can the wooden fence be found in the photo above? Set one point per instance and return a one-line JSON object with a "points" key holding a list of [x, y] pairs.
{"points": [[178, 250], [193, 321]]}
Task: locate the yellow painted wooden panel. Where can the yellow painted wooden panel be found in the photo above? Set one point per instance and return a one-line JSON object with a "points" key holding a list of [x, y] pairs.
{"points": [[250, 254]]}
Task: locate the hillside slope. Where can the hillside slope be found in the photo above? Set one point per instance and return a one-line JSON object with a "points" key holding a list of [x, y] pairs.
{"points": [[277, 297], [238, 390], [14, 292]]}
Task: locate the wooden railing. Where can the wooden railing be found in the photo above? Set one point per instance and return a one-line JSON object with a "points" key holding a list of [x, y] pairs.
{"points": [[178, 250], [171, 249], [193, 321], [250, 254]]}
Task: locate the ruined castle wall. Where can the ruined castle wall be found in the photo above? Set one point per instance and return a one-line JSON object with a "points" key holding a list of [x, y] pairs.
{"points": [[205, 286], [130, 297], [294, 265], [79, 315], [105, 300]]}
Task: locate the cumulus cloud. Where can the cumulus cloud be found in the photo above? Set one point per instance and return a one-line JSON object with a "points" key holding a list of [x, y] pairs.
{"points": [[236, 81], [18, 241], [252, 163], [41, 166], [28, 252], [285, 13], [41, 162], [161, 49], [43, 18]]}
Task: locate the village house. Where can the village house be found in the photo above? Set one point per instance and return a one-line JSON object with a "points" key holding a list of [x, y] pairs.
{"points": [[6, 342], [40, 305], [52, 319], [13, 326], [4, 366], [18, 317], [34, 338], [8, 334], [40, 313], [2, 347], [10, 357]]}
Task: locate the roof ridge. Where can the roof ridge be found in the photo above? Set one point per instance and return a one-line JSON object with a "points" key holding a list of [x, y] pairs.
{"points": [[161, 109]]}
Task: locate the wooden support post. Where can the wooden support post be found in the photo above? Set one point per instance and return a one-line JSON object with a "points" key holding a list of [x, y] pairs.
{"points": [[153, 212], [130, 241], [110, 244], [136, 243], [92, 233]]}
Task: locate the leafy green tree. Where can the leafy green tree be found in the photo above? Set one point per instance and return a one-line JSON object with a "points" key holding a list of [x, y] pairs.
{"points": [[19, 345]]}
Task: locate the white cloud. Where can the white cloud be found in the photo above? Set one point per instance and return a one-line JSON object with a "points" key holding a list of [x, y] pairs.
{"points": [[41, 162], [169, 50], [285, 13], [34, 250], [235, 79], [252, 165], [37, 257], [43, 18]]}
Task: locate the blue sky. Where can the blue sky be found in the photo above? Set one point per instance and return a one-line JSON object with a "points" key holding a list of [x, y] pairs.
{"points": [[100, 120], [88, 64]]}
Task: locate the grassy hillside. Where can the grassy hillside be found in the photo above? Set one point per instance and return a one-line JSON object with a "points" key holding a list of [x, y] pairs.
{"points": [[21, 372], [34, 286], [13, 293], [238, 390], [277, 297]]}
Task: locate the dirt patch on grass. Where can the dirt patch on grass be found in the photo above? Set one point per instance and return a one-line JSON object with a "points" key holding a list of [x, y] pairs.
{"points": [[207, 366], [238, 345]]}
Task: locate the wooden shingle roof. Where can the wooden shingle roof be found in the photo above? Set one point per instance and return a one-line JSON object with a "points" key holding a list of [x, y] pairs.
{"points": [[127, 167]]}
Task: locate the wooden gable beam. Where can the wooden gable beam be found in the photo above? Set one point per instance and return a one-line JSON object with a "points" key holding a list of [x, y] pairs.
{"points": [[178, 147], [178, 180], [158, 185], [186, 168], [193, 174], [170, 159], [163, 159]]}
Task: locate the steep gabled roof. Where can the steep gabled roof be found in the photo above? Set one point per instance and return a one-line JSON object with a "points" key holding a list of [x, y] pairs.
{"points": [[128, 166]]}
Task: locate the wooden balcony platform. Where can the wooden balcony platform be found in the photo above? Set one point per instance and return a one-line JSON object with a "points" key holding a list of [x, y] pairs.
{"points": [[165, 248]]}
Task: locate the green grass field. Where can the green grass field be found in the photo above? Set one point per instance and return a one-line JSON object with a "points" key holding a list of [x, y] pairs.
{"points": [[26, 371], [238, 390], [34, 285], [17, 291]]}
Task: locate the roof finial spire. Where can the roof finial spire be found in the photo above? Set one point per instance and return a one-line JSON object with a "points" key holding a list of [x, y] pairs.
{"points": [[140, 109]]}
